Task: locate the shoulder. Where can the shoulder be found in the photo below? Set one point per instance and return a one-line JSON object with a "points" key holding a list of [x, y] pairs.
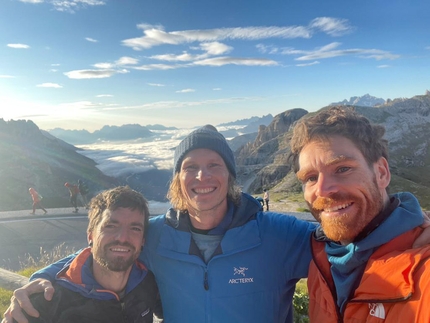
{"points": [[284, 224]]}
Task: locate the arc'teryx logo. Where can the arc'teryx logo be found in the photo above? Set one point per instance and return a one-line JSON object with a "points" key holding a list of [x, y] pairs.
{"points": [[240, 271], [243, 279]]}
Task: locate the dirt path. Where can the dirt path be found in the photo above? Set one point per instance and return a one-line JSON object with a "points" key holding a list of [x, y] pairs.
{"points": [[286, 206]]}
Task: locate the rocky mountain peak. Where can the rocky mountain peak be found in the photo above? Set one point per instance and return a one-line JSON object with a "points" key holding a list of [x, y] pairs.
{"points": [[365, 101]]}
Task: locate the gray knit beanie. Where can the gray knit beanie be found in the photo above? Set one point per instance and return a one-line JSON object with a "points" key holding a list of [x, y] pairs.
{"points": [[206, 137]]}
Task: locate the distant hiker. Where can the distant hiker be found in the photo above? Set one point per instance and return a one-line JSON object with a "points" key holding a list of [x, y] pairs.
{"points": [[266, 198], [36, 200], [83, 190], [74, 191]]}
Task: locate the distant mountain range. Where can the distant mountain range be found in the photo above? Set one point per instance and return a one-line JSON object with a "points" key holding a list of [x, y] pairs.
{"points": [[362, 101], [31, 157], [107, 133]]}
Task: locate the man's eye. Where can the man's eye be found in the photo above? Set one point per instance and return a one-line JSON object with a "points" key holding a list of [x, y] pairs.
{"points": [[310, 179], [343, 169], [190, 168], [138, 229]]}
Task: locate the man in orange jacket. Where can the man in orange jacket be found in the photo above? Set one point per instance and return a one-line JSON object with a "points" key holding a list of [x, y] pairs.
{"points": [[364, 268]]}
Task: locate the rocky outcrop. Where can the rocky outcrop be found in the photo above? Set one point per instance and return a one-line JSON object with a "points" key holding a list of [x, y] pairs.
{"points": [[263, 163], [264, 160]]}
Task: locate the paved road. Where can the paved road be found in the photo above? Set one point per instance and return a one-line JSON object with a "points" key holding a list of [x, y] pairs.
{"points": [[60, 231], [23, 235]]}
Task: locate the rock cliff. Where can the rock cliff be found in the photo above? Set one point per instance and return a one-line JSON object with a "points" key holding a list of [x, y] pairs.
{"points": [[263, 162]]}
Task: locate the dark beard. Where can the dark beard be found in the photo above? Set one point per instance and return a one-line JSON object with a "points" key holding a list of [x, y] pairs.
{"points": [[117, 264]]}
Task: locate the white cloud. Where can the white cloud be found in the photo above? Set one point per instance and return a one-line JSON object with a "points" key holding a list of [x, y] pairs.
{"points": [[125, 60], [184, 57], [7, 77], [383, 66], [216, 48], [155, 84], [68, 5], [186, 91], [104, 65], [220, 61], [151, 67], [216, 89], [156, 35], [18, 46], [104, 96], [91, 40], [32, 1], [50, 85], [332, 26], [72, 6], [93, 74], [308, 64], [330, 51]]}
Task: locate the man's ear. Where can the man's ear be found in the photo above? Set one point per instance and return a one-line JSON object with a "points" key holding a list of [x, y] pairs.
{"points": [[90, 239], [382, 172]]}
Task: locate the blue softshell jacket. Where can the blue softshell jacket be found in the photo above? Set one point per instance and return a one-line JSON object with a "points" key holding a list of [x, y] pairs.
{"points": [[250, 278]]}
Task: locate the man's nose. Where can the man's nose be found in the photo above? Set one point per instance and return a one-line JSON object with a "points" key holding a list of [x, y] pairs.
{"points": [[326, 185], [122, 234], [203, 173]]}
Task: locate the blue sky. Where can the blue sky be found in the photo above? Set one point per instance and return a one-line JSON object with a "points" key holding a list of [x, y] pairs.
{"points": [[82, 64]]}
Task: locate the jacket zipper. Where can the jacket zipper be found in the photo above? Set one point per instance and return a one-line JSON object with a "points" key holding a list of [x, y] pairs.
{"points": [[206, 282]]}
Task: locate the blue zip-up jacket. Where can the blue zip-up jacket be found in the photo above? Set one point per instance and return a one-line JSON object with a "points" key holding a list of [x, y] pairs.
{"points": [[250, 278]]}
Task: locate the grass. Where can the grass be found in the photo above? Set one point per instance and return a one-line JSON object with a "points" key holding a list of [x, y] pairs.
{"points": [[5, 294], [32, 264]]}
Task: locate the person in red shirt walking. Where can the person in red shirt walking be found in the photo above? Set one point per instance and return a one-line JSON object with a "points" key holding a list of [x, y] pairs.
{"points": [[36, 200]]}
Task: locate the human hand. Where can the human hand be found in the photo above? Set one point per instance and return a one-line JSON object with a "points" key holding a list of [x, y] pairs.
{"points": [[20, 301]]}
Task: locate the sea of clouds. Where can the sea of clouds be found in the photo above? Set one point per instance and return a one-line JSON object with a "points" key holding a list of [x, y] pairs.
{"points": [[118, 158]]}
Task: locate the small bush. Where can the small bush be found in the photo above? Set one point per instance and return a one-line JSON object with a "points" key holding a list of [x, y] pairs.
{"points": [[301, 303]]}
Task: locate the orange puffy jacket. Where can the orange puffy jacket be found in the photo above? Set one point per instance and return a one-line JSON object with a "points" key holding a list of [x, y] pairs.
{"points": [[395, 286]]}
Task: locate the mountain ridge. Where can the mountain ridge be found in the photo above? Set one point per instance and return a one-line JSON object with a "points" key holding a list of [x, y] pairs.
{"points": [[33, 157]]}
